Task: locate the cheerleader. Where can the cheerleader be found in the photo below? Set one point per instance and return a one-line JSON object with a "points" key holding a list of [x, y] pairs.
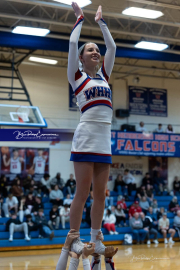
{"points": [[91, 146]]}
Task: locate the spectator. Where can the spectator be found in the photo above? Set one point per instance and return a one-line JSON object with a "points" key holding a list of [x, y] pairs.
{"points": [[176, 222], [34, 191], [109, 222], [17, 190], [37, 205], [134, 208], [54, 218], [23, 210], [141, 192], [160, 213], [71, 185], [14, 225], [64, 215], [174, 206], [136, 225], [144, 204], [129, 180], [176, 186], [153, 216], [33, 187], [154, 206], [169, 129], [159, 129], [41, 219], [32, 226], [120, 216], [120, 186], [159, 184], [109, 199], [30, 201], [149, 193], [3, 186], [10, 204], [57, 180], [56, 196], [112, 208], [46, 184], [148, 226], [122, 203], [1, 203], [164, 229], [27, 183], [141, 127], [68, 200], [147, 180]]}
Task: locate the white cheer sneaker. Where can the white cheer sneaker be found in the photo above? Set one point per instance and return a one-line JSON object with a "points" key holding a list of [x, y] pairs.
{"points": [[77, 246], [99, 247]]}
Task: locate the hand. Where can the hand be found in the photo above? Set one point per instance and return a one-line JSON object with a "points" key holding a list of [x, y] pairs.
{"points": [[146, 229], [74, 255], [98, 14], [72, 234], [110, 252], [96, 256], [77, 10], [88, 250]]}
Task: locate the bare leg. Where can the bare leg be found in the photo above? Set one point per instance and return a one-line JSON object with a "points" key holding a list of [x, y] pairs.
{"points": [[164, 233], [172, 232], [100, 178], [84, 175]]}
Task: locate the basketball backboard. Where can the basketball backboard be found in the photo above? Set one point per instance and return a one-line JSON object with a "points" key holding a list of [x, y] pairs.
{"points": [[15, 115]]}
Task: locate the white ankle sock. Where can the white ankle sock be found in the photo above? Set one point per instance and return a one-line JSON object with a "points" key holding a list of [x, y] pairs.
{"points": [[94, 233]]}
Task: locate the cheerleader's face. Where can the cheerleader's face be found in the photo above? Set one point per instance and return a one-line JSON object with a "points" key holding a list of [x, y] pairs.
{"points": [[91, 55]]}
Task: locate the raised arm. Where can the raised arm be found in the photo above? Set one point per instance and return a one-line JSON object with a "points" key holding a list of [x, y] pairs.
{"points": [[62, 262], [109, 58], [73, 58], [5, 161]]}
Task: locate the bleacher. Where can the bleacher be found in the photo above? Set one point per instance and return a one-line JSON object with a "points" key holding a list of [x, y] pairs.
{"points": [[60, 235]]}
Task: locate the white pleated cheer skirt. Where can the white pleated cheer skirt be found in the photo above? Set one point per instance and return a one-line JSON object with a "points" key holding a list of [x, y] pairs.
{"points": [[92, 142]]}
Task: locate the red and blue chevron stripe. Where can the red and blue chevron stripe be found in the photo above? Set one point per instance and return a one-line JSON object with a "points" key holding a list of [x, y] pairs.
{"points": [[100, 102], [110, 263], [78, 21], [78, 75], [103, 20], [82, 85], [94, 263], [104, 72]]}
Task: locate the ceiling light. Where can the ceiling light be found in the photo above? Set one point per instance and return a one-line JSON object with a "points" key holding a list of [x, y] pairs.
{"points": [[43, 60], [142, 12], [151, 46], [81, 3], [30, 31]]}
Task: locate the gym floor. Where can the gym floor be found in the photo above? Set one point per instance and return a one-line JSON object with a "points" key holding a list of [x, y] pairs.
{"points": [[128, 257]]}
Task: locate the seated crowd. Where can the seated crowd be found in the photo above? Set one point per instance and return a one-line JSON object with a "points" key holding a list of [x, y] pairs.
{"points": [[22, 203], [159, 129]]}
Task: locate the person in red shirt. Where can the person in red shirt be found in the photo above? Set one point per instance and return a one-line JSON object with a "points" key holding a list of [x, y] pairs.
{"points": [[121, 201], [134, 208]]}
